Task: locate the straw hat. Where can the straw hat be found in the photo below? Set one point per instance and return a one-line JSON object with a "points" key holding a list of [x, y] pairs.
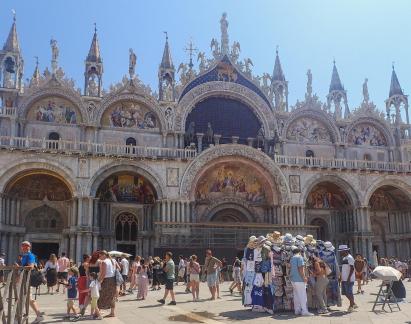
{"points": [[308, 239]]}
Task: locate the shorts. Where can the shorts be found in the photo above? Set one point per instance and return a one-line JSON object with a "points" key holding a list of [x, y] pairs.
{"points": [[347, 288], [93, 302], [212, 279], [62, 275], [194, 277], [169, 284], [125, 277], [181, 272]]}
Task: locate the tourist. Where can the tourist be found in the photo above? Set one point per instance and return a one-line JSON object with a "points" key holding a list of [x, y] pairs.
{"points": [[63, 264], [169, 270], [107, 279], [187, 277], [133, 274], [236, 276], [28, 262], [359, 266], [181, 270], [125, 267], [142, 279], [347, 276], [72, 285], [94, 263], [211, 269], [193, 269], [157, 273], [299, 280], [321, 283], [83, 290], [95, 294], [51, 269], [224, 270]]}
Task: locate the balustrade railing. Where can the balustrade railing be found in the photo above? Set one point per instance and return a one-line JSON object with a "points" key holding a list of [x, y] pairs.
{"points": [[64, 146], [8, 111]]}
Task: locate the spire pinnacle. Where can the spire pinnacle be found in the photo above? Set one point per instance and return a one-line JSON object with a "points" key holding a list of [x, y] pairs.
{"points": [[278, 74], [94, 52], [35, 79], [166, 61], [395, 87], [225, 48], [335, 84], [12, 42]]}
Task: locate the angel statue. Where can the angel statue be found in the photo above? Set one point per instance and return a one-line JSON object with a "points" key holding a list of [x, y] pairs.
{"points": [[365, 93], [203, 65], [183, 74], [132, 63], [235, 51], [215, 48], [248, 63]]}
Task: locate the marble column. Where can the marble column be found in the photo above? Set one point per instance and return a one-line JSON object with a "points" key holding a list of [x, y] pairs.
{"points": [[200, 142], [234, 139], [250, 141], [72, 252], [217, 139]]}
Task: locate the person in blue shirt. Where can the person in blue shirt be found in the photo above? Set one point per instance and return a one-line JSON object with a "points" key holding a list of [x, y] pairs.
{"points": [[299, 281], [28, 261], [72, 285]]}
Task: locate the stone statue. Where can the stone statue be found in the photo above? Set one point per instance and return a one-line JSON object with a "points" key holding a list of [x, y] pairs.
{"points": [[309, 83], [224, 34], [189, 136], [248, 63], [182, 69], [235, 51], [92, 86], [169, 117], [203, 64], [209, 133], [132, 63], [54, 55], [365, 93], [215, 48], [260, 138]]}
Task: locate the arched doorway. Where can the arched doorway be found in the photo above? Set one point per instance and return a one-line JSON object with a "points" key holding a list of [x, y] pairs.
{"points": [[330, 207], [126, 207], [229, 215], [41, 203], [126, 229], [391, 221]]}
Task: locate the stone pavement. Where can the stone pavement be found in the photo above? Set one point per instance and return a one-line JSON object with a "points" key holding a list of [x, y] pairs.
{"points": [[226, 310]]}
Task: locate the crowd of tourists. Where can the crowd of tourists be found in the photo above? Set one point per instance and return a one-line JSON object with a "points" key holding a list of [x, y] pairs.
{"points": [[101, 279]]}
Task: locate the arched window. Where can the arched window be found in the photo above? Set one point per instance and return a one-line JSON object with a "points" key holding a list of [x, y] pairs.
{"points": [[44, 219], [131, 141], [367, 157], [309, 153], [53, 136], [126, 227]]}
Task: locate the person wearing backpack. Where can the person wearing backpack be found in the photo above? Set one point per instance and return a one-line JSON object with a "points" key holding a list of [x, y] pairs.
{"points": [[321, 283], [28, 261]]}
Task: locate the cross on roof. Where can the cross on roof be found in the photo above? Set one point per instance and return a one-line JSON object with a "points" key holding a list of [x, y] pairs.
{"points": [[191, 51]]}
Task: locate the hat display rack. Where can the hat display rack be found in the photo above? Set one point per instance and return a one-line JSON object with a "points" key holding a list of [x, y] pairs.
{"points": [[266, 268]]}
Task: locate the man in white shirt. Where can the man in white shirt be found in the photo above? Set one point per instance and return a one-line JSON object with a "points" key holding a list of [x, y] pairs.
{"points": [[63, 264], [347, 276], [125, 267]]}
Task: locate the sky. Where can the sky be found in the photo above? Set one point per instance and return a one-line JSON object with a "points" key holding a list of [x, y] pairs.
{"points": [[364, 37]]}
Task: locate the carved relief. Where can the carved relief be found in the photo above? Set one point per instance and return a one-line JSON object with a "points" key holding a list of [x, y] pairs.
{"points": [[54, 110], [308, 130], [294, 181], [172, 177], [366, 134]]}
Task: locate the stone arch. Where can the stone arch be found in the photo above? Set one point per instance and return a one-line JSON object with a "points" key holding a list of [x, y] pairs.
{"points": [[317, 115], [135, 96], [219, 205], [44, 219], [129, 166], [374, 122], [249, 155], [393, 181], [229, 90], [53, 91], [322, 232], [24, 167], [338, 181]]}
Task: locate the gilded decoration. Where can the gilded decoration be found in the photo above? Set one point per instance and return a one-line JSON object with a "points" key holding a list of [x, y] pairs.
{"points": [[40, 187], [54, 110], [366, 134], [389, 198], [129, 114], [328, 196], [126, 187], [232, 179], [308, 130]]}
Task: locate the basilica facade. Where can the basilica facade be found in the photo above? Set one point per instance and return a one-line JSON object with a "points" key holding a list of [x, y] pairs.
{"points": [[214, 155]]}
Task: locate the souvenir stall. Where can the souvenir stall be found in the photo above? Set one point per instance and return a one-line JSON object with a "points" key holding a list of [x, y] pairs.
{"points": [[266, 264]]}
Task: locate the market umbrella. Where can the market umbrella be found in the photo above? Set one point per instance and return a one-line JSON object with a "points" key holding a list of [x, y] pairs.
{"points": [[118, 254], [387, 273]]}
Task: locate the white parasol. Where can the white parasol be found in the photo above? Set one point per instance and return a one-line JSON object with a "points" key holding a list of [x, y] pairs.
{"points": [[387, 273], [118, 254]]}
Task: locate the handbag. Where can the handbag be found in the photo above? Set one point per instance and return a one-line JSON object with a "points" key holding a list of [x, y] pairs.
{"points": [[119, 277]]}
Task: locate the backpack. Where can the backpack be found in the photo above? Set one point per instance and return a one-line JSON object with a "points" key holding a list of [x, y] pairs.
{"points": [[36, 278]]}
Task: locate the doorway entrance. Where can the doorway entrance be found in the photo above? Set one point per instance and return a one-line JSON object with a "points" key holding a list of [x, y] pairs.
{"points": [[43, 250], [127, 248]]}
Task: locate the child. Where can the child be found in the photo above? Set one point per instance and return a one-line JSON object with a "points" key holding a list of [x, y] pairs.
{"points": [[95, 294], [71, 285], [142, 282]]}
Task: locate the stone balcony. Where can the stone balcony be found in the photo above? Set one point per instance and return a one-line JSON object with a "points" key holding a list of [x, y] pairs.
{"points": [[8, 111], [129, 151]]}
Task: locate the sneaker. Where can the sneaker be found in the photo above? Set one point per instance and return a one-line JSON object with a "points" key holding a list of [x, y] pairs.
{"points": [[161, 301], [83, 311], [231, 291], [322, 311], [307, 314], [350, 309], [38, 319], [355, 306], [172, 303], [75, 318]]}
